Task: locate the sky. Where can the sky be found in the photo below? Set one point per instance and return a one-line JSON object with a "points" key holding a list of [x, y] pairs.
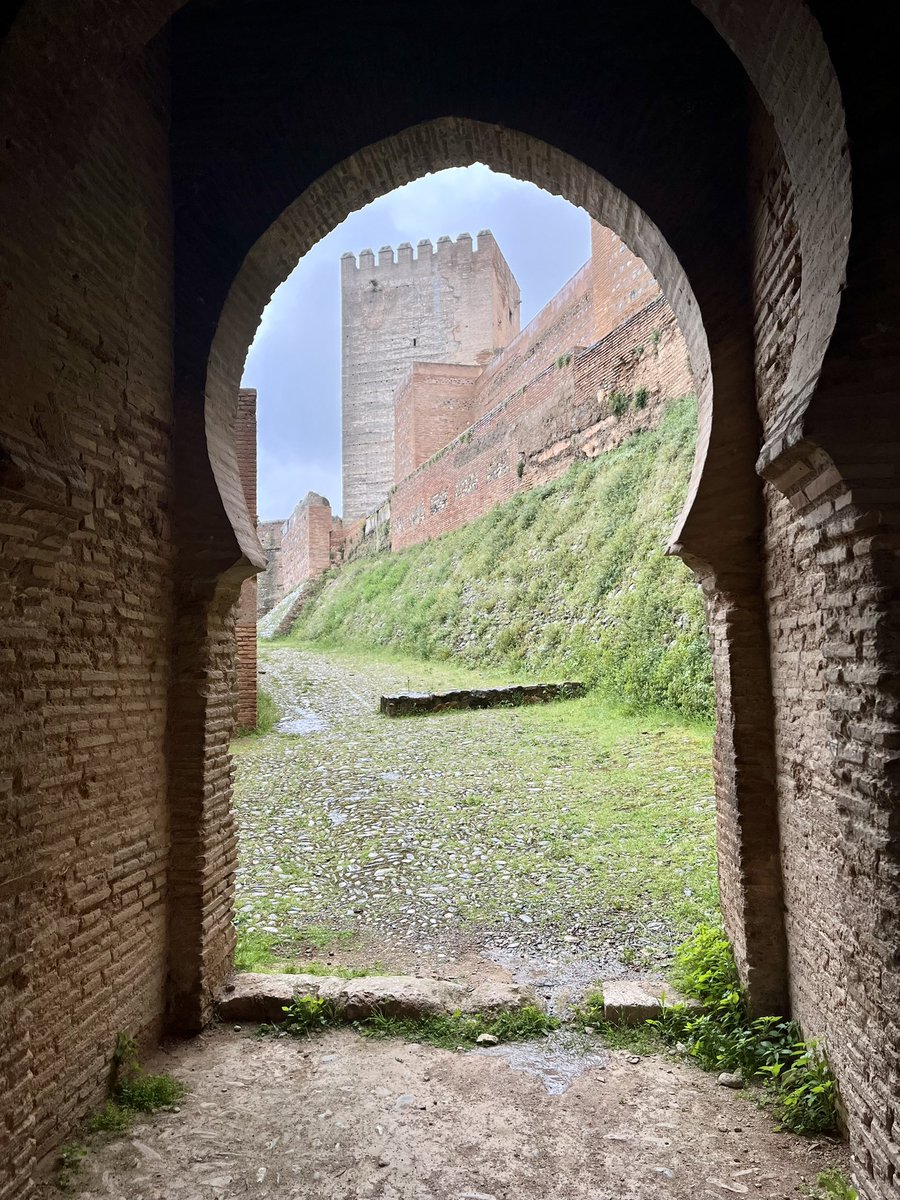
{"points": [[295, 360]]}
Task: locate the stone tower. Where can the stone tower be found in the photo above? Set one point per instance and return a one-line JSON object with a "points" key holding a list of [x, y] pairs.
{"points": [[452, 304]]}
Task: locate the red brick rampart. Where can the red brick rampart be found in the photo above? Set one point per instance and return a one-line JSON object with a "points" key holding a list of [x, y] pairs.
{"points": [[573, 408]]}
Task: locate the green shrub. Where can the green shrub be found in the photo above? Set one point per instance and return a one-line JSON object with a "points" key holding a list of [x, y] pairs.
{"points": [[769, 1051], [704, 965], [641, 397], [619, 403]]}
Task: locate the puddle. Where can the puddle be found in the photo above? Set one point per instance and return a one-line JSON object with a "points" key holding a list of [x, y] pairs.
{"points": [[559, 979], [557, 1060], [301, 720]]}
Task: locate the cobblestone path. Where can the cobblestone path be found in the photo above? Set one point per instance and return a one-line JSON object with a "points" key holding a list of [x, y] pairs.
{"points": [[522, 834]]}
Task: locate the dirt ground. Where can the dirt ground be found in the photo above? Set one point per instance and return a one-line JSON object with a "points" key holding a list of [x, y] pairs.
{"points": [[341, 1117]]}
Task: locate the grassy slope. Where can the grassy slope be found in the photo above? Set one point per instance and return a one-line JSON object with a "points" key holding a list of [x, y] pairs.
{"points": [[568, 579]]}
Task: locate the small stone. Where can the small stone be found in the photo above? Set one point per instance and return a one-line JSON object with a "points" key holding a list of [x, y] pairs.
{"points": [[588, 1029], [634, 1059], [729, 1080], [237, 1028], [487, 1039]]}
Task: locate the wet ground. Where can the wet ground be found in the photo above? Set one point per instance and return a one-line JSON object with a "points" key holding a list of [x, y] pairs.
{"points": [[341, 1117], [540, 839]]}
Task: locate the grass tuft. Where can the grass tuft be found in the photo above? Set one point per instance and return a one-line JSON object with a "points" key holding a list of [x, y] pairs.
{"points": [[267, 717], [463, 1029]]}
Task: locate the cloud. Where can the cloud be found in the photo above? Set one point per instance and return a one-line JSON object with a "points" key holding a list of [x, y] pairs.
{"points": [[285, 478]]}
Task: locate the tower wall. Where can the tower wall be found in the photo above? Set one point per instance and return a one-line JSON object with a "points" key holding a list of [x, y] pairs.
{"points": [[621, 282], [453, 303]]}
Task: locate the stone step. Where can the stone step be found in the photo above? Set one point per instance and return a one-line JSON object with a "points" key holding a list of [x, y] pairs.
{"points": [[256, 997], [631, 1002]]}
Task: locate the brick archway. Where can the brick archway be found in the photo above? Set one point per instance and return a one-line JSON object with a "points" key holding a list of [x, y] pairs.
{"points": [[191, 129]]}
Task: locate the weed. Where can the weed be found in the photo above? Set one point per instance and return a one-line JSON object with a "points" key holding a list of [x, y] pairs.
{"points": [[267, 716], [111, 1118], [619, 403], [832, 1185], [309, 1014], [563, 361], [148, 1093], [638, 351], [656, 337], [641, 397], [463, 1029], [133, 1092], [70, 1157], [704, 965], [769, 1051]]}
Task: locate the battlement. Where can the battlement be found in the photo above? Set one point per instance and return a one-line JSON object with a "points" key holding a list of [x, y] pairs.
{"points": [[425, 253]]}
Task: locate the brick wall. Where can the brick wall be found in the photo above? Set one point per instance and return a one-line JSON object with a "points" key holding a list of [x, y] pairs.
{"points": [[433, 403], [245, 614], [306, 540], [621, 284], [450, 304], [86, 564], [563, 412]]}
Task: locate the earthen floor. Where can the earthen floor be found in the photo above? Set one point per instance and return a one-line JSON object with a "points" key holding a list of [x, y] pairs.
{"points": [[341, 1117]]}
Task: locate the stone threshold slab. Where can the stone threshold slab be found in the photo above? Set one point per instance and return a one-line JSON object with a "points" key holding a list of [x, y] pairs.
{"points": [[407, 704], [250, 996]]}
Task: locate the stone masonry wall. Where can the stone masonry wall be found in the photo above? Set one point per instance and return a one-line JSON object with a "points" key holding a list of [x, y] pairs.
{"points": [[245, 613], [452, 304], [269, 589], [562, 413]]}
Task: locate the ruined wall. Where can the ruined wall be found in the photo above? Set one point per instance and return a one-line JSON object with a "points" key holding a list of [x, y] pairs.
{"points": [[565, 411], [306, 539], [452, 304], [245, 611], [269, 587], [86, 572]]}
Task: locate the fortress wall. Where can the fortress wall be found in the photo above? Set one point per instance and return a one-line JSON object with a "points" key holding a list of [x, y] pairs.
{"points": [[433, 404], [565, 412]]}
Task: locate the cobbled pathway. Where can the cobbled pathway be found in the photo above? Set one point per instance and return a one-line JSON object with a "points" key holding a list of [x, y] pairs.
{"points": [[430, 837]]}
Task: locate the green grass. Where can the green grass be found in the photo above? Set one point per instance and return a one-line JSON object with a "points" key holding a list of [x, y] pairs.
{"points": [[267, 717], [569, 579], [273, 953], [463, 1029]]}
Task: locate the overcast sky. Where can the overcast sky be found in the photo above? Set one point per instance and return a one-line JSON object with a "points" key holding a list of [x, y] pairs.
{"points": [[295, 360]]}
